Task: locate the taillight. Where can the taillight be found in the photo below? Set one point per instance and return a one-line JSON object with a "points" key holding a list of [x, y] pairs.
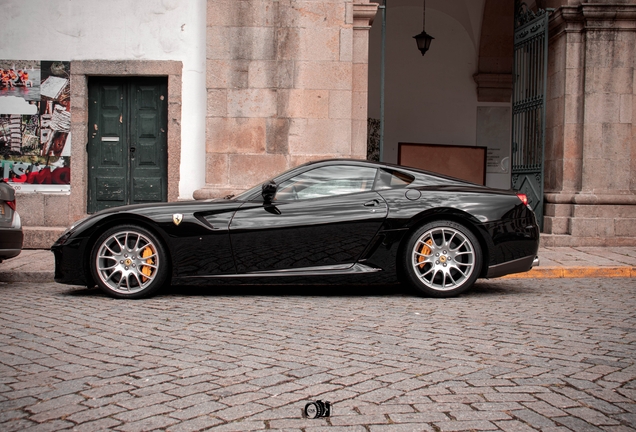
{"points": [[523, 197], [11, 204]]}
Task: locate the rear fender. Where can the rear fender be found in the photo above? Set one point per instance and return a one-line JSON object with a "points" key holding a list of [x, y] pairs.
{"points": [[457, 216]]}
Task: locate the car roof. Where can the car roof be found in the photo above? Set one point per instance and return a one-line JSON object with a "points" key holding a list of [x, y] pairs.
{"points": [[417, 172]]}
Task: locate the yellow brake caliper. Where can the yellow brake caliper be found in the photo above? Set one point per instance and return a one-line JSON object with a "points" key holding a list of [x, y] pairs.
{"points": [[425, 250], [145, 269]]}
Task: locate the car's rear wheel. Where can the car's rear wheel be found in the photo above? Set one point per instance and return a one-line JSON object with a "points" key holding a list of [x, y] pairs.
{"points": [[442, 259], [129, 261]]}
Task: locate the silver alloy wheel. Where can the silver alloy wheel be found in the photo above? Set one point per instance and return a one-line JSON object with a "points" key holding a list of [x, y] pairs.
{"points": [[443, 258], [127, 262]]}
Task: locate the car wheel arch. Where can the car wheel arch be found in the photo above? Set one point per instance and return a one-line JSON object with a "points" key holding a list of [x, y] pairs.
{"points": [[123, 219], [452, 215]]}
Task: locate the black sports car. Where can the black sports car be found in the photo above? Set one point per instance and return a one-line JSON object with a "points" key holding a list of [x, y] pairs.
{"points": [[320, 222]]}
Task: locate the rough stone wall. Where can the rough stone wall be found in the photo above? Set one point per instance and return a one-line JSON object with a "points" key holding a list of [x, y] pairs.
{"points": [[591, 136], [286, 83]]}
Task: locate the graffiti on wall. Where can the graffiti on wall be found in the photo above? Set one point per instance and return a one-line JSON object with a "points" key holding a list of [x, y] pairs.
{"points": [[35, 125]]}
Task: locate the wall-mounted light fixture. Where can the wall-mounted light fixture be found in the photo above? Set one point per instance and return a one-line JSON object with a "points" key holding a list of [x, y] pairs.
{"points": [[423, 39]]}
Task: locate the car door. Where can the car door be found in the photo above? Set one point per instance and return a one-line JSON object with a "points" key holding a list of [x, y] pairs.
{"points": [[322, 218]]}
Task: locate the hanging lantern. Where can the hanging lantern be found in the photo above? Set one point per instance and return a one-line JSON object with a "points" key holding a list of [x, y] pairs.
{"points": [[423, 39]]}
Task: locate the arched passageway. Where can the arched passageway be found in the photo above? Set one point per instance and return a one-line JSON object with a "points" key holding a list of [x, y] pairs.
{"points": [[459, 92]]}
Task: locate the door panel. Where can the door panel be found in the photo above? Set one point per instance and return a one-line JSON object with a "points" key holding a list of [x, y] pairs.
{"points": [[110, 188], [307, 233], [127, 143], [108, 167], [149, 141], [148, 189], [111, 155]]}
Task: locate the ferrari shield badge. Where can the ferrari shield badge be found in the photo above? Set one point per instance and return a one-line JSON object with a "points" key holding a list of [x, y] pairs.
{"points": [[177, 218]]}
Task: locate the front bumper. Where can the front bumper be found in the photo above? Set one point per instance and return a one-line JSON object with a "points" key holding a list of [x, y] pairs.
{"points": [[69, 264]]}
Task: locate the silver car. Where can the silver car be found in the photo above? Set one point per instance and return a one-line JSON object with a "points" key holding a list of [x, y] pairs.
{"points": [[10, 225]]}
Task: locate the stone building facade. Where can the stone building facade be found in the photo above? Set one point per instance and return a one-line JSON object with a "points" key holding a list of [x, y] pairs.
{"points": [[590, 178], [259, 86], [286, 84]]}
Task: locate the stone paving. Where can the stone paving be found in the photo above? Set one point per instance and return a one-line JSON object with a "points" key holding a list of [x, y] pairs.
{"points": [[511, 355]]}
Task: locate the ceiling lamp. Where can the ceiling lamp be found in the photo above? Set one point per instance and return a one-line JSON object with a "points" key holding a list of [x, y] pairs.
{"points": [[423, 39]]}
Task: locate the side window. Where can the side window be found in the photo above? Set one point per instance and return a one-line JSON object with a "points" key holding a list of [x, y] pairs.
{"points": [[327, 181], [388, 179]]}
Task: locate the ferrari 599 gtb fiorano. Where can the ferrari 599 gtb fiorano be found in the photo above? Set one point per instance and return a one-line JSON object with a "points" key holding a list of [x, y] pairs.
{"points": [[327, 221]]}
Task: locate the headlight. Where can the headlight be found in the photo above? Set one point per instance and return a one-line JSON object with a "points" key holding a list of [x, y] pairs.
{"points": [[70, 230], [64, 237]]}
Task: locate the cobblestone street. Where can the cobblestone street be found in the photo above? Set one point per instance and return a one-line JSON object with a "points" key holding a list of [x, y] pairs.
{"points": [[512, 355]]}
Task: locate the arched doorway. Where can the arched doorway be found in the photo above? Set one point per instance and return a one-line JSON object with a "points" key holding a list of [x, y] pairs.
{"points": [[459, 93]]}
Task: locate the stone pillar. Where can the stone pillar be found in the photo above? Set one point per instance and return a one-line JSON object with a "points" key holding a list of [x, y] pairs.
{"points": [[286, 83], [590, 178], [363, 14]]}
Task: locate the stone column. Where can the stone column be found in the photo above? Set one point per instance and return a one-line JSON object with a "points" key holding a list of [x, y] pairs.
{"points": [[590, 178], [287, 84], [363, 14]]}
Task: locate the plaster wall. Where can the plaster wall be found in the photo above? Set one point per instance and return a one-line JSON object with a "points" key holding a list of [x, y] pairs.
{"points": [[121, 30]]}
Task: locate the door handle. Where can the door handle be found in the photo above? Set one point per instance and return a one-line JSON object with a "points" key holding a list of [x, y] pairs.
{"points": [[372, 203]]}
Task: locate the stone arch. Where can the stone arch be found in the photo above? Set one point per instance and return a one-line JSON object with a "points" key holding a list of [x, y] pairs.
{"points": [[494, 76]]}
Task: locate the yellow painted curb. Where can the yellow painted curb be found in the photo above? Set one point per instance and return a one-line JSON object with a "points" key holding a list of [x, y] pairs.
{"points": [[574, 272]]}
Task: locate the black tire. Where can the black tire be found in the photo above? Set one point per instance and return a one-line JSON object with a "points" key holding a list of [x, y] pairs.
{"points": [[128, 261], [442, 259]]}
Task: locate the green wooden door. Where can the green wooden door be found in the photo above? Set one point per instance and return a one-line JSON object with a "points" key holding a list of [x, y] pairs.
{"points": [[127, 141]]}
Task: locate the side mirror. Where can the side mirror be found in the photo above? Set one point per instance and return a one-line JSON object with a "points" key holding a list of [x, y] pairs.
{"points": [[269, 191]]}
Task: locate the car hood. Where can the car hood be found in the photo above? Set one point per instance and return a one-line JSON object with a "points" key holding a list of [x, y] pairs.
{"points": [[164, 206], [156, 212]]}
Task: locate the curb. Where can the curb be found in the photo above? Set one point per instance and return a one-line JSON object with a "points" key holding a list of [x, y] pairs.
{"points": [[27, 276], [575, 272]]}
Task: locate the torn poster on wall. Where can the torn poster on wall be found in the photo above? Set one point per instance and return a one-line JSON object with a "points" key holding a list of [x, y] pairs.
{"points": [[35, 125]]}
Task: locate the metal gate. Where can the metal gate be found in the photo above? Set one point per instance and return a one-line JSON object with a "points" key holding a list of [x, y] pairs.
{"points": [[530, 73]]}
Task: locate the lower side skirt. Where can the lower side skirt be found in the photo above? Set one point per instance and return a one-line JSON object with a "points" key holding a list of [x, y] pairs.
{"points": [[346, 273], [342, 269], [515, 266]]}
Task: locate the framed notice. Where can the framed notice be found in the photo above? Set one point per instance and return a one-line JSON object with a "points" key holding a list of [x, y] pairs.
{"points": [[463, 162]]}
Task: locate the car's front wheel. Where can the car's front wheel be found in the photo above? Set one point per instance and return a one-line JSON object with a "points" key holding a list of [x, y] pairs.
{"points": [[129, 261], [442, 259]]}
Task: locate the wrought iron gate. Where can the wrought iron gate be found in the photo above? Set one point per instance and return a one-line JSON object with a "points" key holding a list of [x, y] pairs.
{"points": [[530, 72]]}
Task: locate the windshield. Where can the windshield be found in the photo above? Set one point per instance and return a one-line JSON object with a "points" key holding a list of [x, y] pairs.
{"points": [[245, 195], [259, 187]]}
